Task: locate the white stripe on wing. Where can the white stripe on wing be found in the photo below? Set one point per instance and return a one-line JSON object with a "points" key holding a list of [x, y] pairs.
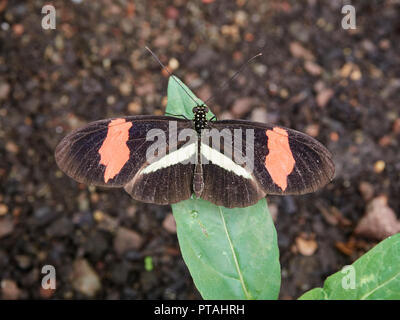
{"points": [[172, 158], [223, 161]]}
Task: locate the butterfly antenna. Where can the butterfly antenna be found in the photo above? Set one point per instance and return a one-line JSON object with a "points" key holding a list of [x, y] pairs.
{"points": [[170, 74], [225, 84]]}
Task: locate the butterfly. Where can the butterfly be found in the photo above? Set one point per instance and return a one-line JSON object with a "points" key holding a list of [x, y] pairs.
{"points": [[245, 162]]}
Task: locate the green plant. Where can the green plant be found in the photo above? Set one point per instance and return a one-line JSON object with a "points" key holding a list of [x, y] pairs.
{"points": [[233, 253], [148, 263], [376, 276]]}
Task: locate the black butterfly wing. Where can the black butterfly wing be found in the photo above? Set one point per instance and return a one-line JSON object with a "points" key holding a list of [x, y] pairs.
{"points": [[168, 179], [227, 182], [113, 153], [226, 188], [280, 161]]}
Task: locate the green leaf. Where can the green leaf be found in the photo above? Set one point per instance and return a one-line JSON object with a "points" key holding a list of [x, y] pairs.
{"points": [[148, 263], [179, 101], [376, 276], [230, 253]]}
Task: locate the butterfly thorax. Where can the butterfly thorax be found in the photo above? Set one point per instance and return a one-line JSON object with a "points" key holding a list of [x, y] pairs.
{"points": [[200, 122], [200, 119]]}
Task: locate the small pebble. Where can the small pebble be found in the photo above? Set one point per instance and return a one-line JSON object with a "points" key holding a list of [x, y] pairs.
{"points": [[172, 13], [84, 278], [242, 106], [173, 64], [379, 166], [306, 247], [379, 220], [324, 96], [9, 289], [126, 239], [125, 88], [169, 223], [259, 115], [312, 68], [312, 130], [367, 190], [111, 100], [6, 226], [3, 209], [298, 51], [284, 93], [18, 29], [135, 107], [4, 90], [334, 136], [23, 261]]}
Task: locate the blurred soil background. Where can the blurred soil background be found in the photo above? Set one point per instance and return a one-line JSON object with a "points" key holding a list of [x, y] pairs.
{"points": [[339, 86]]}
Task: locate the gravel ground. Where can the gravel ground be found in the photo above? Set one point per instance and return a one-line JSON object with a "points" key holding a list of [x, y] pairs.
{"points": [[340, 86]]}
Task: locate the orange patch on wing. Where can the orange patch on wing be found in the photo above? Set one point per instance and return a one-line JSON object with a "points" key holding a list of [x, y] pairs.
{"points": [[279, 161], [114, 152]]}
